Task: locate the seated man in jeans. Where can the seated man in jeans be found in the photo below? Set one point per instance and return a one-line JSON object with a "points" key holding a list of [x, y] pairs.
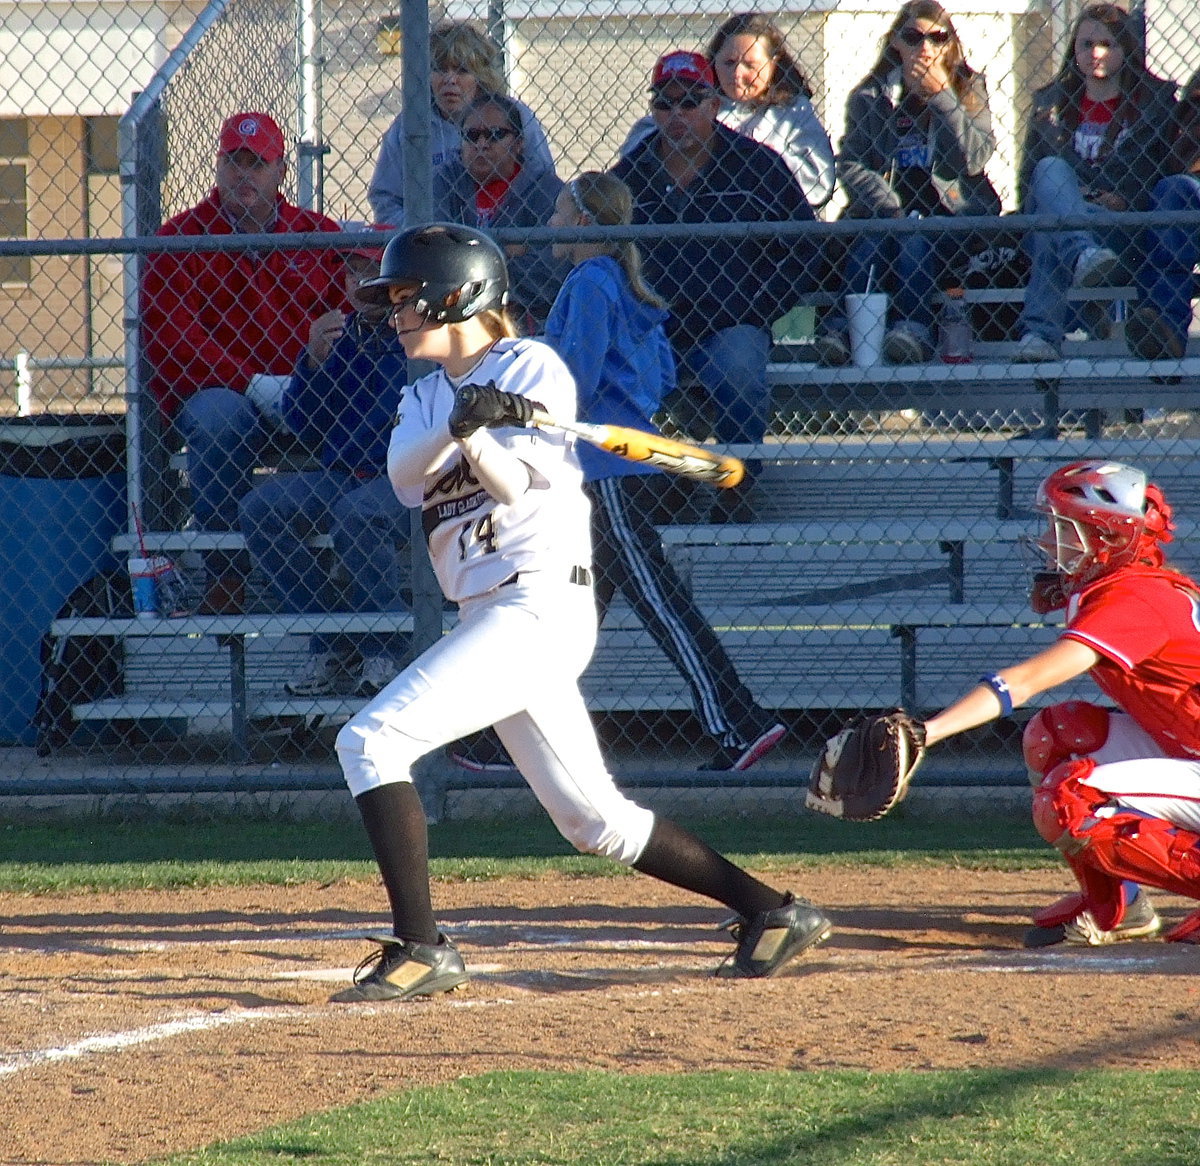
{"points": [[342, 399], [723, 292], [1158, 328], [222, 329]]}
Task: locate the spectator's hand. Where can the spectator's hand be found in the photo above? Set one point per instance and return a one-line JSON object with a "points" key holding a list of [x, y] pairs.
{"points": [[515, 250], [323, 335], [1109, 200], [926, 78]]}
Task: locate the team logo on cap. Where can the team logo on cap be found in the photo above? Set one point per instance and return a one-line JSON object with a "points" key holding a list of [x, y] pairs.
{"points": [[248, 127], [678, 63]]}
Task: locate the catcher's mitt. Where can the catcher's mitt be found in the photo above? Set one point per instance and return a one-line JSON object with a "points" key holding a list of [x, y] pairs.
{"points": [[865, 770]]}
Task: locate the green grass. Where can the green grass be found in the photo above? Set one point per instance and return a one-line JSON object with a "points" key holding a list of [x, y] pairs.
{"points": [[990, 1118], [107, 855]]}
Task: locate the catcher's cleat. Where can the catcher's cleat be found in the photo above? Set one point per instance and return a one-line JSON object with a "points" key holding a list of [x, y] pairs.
{"points": [[1139, 922], [766, 942], [402, 970]]}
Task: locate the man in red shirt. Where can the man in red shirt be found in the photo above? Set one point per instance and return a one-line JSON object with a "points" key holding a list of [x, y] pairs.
{"points": [[1116, 790], [223, 330]]}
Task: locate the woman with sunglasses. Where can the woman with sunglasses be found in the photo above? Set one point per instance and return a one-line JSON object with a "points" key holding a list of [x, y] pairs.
{"points": [[465, 63], [918, 136], [491, 185], [766, 96], [1099, 139]]}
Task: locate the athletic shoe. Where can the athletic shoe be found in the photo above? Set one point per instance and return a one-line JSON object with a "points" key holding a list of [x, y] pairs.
{"points": [[482, 753], [402, 970], [736, 758], [376, 674], [766, 942], [1094, 267], [832, 349], [902, 345], [1140, 922], [1150, 337], [325, 674], [1035, 349]]}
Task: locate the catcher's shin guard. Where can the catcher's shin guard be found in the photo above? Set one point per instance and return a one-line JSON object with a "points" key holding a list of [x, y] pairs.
{"points": [[1072, 728], [1151, 851]]}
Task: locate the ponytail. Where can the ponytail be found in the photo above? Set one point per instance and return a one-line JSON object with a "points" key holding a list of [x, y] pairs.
{"points": [[606, 200]]}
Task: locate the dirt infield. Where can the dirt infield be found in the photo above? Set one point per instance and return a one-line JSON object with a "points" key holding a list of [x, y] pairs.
{"points": [[138, 1024]]}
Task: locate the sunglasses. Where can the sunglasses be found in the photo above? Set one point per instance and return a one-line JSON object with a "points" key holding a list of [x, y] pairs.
{"points": [[690, 101], [488, 134], [935, 36]]}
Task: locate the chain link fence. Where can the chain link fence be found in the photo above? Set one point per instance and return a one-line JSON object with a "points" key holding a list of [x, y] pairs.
{"points": [[915, 258]]}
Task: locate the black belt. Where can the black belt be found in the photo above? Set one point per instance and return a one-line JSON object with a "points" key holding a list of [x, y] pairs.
{"points": [[580, 575]]}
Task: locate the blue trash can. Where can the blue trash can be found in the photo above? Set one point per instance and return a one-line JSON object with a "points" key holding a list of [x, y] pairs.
{"points": [[62, 499]]}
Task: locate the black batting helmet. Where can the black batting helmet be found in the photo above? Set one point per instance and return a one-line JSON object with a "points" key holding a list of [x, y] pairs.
{"points": [[459, 272]]}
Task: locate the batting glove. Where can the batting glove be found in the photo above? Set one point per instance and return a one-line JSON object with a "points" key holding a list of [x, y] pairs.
{"points": [[477, 406]]}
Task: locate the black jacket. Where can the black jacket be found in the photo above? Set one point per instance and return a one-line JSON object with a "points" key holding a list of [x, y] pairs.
{"points": [[1129, 166], [711, 284]]}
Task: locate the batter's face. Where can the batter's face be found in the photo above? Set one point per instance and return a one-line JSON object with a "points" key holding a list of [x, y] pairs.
{"points": [[411, 326]]}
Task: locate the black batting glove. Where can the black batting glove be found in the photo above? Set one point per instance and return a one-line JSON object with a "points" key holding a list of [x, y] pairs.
{"points": [[480, 406]]}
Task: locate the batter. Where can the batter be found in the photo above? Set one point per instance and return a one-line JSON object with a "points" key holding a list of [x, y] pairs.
{"points": [[507, 525]]}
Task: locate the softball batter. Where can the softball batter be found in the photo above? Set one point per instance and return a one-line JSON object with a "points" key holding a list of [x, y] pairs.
{"points": [[507, 525]]}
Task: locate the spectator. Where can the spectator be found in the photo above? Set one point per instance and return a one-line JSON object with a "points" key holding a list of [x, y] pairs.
{"points": [[222, 330], [918, 136], [1099, 138], [492, 185], [342, 399], [608, 327], [465, 64], [766, 96], [1158, 328], [723, 292]]}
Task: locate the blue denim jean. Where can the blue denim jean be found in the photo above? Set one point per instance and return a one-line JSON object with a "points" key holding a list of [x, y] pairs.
{"points": [[731, 364], [1165, 278], [225, 435], [907, 267], [1054, 190], [367, 524]]}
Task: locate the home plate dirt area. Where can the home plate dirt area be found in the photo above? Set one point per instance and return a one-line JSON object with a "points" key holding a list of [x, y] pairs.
{"points": [[141, 1023]]}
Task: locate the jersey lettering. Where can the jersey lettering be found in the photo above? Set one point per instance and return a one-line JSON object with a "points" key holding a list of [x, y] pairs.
{"points": [[481, 532]]}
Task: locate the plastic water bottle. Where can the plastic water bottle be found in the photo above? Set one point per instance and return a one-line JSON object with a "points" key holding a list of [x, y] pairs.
{"points": [[954, 329]]}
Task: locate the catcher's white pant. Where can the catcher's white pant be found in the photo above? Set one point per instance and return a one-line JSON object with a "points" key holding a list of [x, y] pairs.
{"points": [[513, 660], [1140, 776]]}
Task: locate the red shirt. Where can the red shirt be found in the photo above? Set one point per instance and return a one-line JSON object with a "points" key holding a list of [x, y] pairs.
{"points": [[217, 318], [1145, 624], [489, 196]]}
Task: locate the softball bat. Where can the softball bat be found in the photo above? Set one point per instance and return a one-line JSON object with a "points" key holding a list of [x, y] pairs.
{"points": [[635, 445]]}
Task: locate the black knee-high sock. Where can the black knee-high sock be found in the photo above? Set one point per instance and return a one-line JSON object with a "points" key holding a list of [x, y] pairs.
{"points": [[677, 856], [395, 824]]}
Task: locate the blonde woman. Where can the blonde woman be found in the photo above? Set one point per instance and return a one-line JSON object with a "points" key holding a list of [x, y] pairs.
{"points": [[607, 325], [507, 525], [465, 64]]}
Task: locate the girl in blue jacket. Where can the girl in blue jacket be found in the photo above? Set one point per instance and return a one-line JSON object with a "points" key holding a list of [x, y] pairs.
{"points": [[608, 327]]}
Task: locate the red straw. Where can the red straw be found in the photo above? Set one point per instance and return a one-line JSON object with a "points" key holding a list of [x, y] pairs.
{"points": [[137, 521]]}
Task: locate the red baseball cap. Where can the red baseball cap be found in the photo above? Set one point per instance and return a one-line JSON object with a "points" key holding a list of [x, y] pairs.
{"points": [[257, 132], [679, 65]]}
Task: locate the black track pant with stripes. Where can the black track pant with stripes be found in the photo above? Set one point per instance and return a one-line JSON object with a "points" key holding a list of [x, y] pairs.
{"points": [[628, 557]]}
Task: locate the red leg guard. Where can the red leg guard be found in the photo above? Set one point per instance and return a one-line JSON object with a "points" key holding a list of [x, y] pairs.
{"points": [[1073, 728], [1062, 809], [1147, 850]]}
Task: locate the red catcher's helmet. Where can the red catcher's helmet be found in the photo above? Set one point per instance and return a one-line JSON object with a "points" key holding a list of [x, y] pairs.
{"points": [[1103, 515]]}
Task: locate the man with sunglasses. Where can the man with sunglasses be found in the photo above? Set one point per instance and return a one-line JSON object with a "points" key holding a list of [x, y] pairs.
{"points": [[723, 292]]}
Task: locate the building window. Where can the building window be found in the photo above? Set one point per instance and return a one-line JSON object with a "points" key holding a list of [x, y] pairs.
{"points": [[103, 154], [14, 196]]}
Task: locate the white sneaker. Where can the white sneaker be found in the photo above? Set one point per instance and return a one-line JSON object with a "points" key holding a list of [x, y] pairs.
{"points": [[1094, 267], [1034, 349], [324, 673], [376, 674]]}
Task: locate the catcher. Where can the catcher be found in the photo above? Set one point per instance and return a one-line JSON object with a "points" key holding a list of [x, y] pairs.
{"points": [[1116, 790]]}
